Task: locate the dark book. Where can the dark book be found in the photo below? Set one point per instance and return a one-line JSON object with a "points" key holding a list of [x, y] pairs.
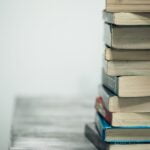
{"points": [[92, 134], [127, 86], [94, 137]]}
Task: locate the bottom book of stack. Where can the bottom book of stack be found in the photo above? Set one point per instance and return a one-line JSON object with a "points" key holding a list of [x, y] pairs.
{"points": [[106, 137]]}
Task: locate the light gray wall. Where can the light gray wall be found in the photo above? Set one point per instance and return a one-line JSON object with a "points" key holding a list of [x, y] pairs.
{"points": [[48, 47]]}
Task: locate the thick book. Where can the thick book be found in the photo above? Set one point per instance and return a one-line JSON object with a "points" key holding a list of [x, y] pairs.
{"points": [[94, 137], [128, 5], [122, 119], [127, 86], [127, 37], [125, 18], [114, 103], [128, 134], [127, 68], [126, 54]]}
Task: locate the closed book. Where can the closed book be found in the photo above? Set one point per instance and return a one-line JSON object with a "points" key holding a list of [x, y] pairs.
{"points": [[128, 134], [127, 18], [128, 5], [122, 119], [127, 37], [114, 103], [126, 54], [94, 137], [127, 68], [127, 86]]}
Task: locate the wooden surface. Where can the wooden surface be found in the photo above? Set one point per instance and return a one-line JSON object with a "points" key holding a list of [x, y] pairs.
{"points": [[51, 124]]}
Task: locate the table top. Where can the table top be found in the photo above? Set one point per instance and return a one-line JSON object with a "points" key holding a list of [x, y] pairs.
{"points": [[51, 123]]}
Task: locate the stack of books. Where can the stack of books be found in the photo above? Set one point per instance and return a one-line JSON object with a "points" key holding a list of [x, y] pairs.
{"points": [[123, 105]]}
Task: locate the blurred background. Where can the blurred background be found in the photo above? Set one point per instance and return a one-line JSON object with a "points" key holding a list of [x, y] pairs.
{"points": [[48, 47]]}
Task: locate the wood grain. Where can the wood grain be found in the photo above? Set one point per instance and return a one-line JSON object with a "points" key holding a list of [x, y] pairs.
{"points": [[51, 124]]}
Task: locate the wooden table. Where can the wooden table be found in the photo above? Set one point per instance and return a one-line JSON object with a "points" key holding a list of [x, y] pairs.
{"points": [[53, 123]]}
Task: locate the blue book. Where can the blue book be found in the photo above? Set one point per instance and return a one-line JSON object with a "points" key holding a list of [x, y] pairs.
{"points": [[130, 134]]}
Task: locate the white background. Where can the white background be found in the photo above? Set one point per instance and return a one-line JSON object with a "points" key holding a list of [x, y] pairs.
{"points": [[48, 47]]}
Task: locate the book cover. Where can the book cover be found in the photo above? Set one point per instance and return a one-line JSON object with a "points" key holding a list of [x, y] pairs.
{"points": [[102, 126], [95, 138]]}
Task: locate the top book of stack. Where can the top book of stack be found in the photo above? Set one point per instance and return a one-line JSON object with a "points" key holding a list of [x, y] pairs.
{"points": [[128, 5]]}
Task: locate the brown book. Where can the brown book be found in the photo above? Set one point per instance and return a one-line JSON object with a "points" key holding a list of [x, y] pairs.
{"points": [[127, 68], [128, 5], [127, 37], [126, 54], [127, 18]]}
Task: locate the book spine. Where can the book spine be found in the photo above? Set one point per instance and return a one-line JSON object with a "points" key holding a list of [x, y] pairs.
{"points": [[108, 17], [106, 94], [102, 110], [111, 82], [92, 134], [108, 34], [100, 127]]}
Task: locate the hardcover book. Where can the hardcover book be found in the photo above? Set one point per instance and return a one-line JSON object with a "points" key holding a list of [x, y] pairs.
{"points": [[128, 134], [125, 18], [122, 119], [127, 68], [128, 5], [127, 37], [114, 103], [92, 134], [127, 86], [126, 54]]}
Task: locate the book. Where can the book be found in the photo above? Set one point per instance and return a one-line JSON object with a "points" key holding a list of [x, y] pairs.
{"points": [[94, 137], [128, 134], [127, 18], [127, 37], [92, 134], [127, 86], [122, 119], [128, 5], [127, 68], [128, 54], [114, 103]]}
